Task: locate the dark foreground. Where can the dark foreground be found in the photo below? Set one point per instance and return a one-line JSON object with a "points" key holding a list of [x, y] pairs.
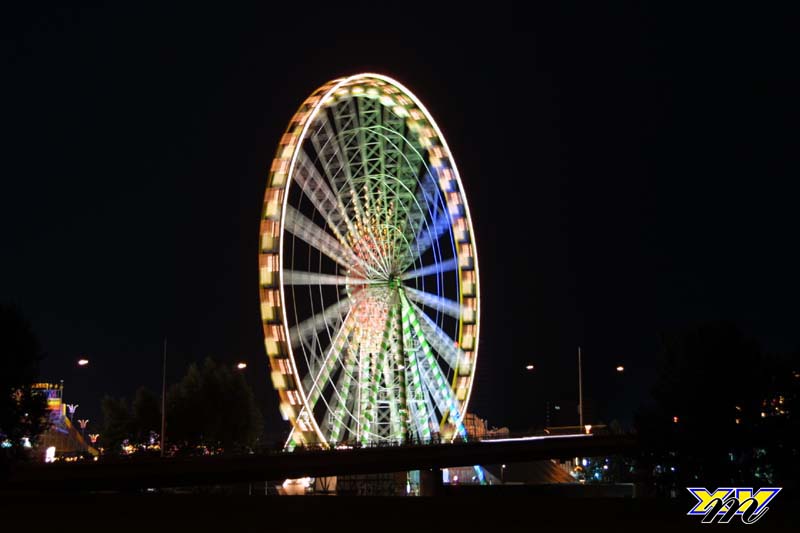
{"points": [[488, 511]]}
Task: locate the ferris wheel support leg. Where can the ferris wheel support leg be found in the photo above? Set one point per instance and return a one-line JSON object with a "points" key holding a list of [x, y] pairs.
{"points": [[416, 396]]}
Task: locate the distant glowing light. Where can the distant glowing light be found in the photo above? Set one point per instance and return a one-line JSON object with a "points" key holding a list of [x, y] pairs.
{"points": [[620, 368], [674, 419], [83, 362], [305, 482], [241, 366], [50, 454], [529, 367], [588, 428]]}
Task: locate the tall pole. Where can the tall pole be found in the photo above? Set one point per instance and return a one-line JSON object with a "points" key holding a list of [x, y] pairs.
{"points": [[164, 398], [580, 389]]}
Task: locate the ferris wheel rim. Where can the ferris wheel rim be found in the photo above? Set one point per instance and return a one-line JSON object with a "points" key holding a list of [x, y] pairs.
{"points": [[325, 95]]}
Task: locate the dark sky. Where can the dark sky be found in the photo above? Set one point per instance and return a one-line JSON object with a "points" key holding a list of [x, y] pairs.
{"points": [[629, 171]]}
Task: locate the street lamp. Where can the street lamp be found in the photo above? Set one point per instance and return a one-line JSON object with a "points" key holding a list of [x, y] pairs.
{"points": [[529, 367], [620, 368], [241, 366], [83, 361]]}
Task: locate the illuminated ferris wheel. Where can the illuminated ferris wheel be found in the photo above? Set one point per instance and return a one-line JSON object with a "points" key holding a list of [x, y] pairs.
{"points": [[368, 270]]}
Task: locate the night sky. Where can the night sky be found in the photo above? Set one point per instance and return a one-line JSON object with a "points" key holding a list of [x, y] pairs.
{"points": [[629, 171]]}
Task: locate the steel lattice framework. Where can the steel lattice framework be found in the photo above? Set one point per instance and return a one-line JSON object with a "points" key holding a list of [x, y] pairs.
{"points": [[368, 270]]}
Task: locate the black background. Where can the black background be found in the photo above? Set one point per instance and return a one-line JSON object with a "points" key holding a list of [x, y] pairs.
{"points": [[629, 170]]}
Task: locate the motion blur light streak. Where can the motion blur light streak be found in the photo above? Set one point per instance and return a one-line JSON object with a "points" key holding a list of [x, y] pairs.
{"points": [[368, 270], [537, 437]]}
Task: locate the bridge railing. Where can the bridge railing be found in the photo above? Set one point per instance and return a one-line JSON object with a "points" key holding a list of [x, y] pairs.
{"points": [[396, 443]]}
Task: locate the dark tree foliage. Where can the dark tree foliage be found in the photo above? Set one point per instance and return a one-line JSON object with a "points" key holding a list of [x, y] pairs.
{"points": [[22, 410], [146, 415], [118, 424], [707, 423], [212, 406], [134, 423]]}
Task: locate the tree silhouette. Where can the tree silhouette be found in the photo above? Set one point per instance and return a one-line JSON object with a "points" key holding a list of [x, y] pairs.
{"points": [[707, 423], [213, 406], [117, 424], [146, 415], [22, 410]]}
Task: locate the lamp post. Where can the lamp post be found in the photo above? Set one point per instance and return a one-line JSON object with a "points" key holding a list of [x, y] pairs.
{"points": [[72, 407], [580, 389], [164, 399]]}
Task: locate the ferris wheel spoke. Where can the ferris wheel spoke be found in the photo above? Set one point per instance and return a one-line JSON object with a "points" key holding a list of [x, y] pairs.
{"points": [[393, 371], [301, 226], [316, 384], [299, 277], [338, 414], [329, 153], [368, 394], [428, 235], [322, 197], [436, 268], [407, 181], [433, 376], [439, 303], [353, 181], [439, 340], [312, 325], [392, 147], [423, 220], [396, 399], [415, 398], [379, 368]]}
